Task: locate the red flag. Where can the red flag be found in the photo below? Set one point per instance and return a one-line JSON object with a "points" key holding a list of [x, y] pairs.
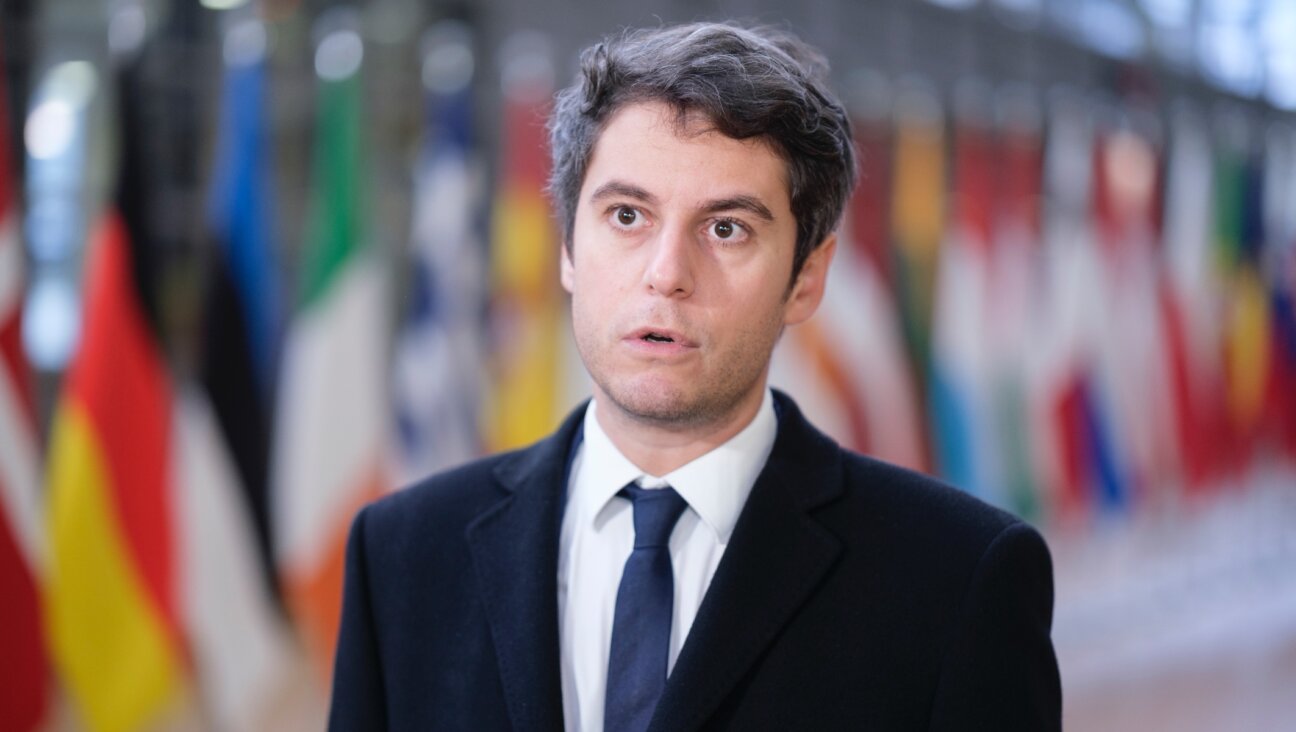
{"points": [[24, 685]]}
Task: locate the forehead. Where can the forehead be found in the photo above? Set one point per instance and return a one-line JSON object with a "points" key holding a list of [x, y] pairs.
{"points": [[684, 159]]}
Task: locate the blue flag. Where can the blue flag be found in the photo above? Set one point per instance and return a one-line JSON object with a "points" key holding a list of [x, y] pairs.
{"points": [[439, 351], [241, 320]]}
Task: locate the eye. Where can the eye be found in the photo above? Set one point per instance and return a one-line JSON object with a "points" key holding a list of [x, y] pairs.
{"points": [[728, 231], [625, 219]]}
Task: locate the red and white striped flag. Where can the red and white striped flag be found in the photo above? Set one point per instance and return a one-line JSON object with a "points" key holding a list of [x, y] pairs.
{"points": [[24, 676]]}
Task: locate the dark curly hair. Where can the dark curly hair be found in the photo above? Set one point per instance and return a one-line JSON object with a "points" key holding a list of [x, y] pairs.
{"points": [[748, 82]]}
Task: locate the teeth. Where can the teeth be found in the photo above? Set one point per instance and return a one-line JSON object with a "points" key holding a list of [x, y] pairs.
{"points": [[658, 339]]}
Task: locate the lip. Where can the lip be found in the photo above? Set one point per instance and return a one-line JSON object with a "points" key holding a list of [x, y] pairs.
{"points": [[674, 335], [677, 345]]}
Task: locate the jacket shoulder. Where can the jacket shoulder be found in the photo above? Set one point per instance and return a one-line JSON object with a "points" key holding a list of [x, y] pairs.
{"points": [[451, 497], [978, 578], [936, 522], [899, 488]]}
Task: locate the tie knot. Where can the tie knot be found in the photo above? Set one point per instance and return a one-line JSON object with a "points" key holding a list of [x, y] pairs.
{"points": [[655, 512]]}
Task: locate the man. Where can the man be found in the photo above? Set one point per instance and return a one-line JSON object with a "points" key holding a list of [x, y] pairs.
{"points": [[686, 551]]}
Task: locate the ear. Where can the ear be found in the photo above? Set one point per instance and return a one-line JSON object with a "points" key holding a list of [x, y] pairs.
{"points": [[565, 266], [808, 290]]}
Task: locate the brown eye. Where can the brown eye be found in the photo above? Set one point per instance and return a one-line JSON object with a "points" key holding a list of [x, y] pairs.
{"points": [[724, 229], [627, 216]]}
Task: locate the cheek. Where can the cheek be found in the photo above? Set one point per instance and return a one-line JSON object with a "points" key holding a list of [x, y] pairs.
{"points": [[753, 290], [602, 275], [760, 313], [591, 297]]}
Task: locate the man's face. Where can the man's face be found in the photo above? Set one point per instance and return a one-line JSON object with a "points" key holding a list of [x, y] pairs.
{"points": [[681, 256]]}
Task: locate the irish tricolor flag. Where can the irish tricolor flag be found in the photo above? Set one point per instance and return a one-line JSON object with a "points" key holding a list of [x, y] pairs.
{"points": [[330, 430]]}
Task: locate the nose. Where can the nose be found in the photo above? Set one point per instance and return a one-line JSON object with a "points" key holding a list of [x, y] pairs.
{"points": [[670, 268]]}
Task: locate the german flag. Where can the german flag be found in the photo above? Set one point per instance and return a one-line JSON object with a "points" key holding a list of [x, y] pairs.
{"points": [[111, 605]]}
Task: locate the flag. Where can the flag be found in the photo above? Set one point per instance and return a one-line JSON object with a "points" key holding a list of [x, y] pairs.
{"points": [[917, 225], [240, 647], [1282, 386], [1228, 190], [847, 365], [24, 676], [1248, 327], [1016, 294], [332, 416], [1099, 403], [242, 653], [113, 618], [112, 605], [965, 443], [525, 302], [1190, 303], [1070, 272], [1280, 258], [437, 383], [1131, 393], [875, 342], [867, 212], [241, 313]]}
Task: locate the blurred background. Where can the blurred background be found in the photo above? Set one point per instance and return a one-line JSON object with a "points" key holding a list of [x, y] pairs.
{"points": [[263, 260]]}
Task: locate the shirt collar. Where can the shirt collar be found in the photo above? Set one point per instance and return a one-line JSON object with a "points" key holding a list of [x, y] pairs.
{"points": [[715, 485]]}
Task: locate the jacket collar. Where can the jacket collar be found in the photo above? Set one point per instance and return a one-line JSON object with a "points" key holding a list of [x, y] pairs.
{"points": [[778, 554], [514, 545]]}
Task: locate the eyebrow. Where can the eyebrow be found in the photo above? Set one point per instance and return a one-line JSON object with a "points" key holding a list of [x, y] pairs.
{"points": [[616, 189], [740, 202], [750, 204]]}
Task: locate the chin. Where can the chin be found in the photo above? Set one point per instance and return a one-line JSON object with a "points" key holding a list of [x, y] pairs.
{"points": [[671, 405], [653, 402]]}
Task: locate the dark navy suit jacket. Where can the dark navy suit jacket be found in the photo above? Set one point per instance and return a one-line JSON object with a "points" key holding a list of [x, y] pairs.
{"points": [[853, 595]]}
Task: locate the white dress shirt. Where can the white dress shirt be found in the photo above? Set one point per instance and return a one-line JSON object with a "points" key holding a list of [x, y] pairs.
{"points": [[598, 536]]}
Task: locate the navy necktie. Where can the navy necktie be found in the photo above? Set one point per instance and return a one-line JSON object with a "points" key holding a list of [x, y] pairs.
{"points": [[642, 626]]}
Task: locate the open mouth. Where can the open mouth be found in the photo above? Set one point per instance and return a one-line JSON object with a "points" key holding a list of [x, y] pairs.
{"points": [[660, 339]]}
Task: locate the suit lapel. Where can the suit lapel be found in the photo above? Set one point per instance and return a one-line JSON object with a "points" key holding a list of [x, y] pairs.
{"points": [[514, 546], [777, 556]]}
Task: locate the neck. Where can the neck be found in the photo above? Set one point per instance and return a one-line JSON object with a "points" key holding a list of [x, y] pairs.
{"points": [[658, 449]]}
